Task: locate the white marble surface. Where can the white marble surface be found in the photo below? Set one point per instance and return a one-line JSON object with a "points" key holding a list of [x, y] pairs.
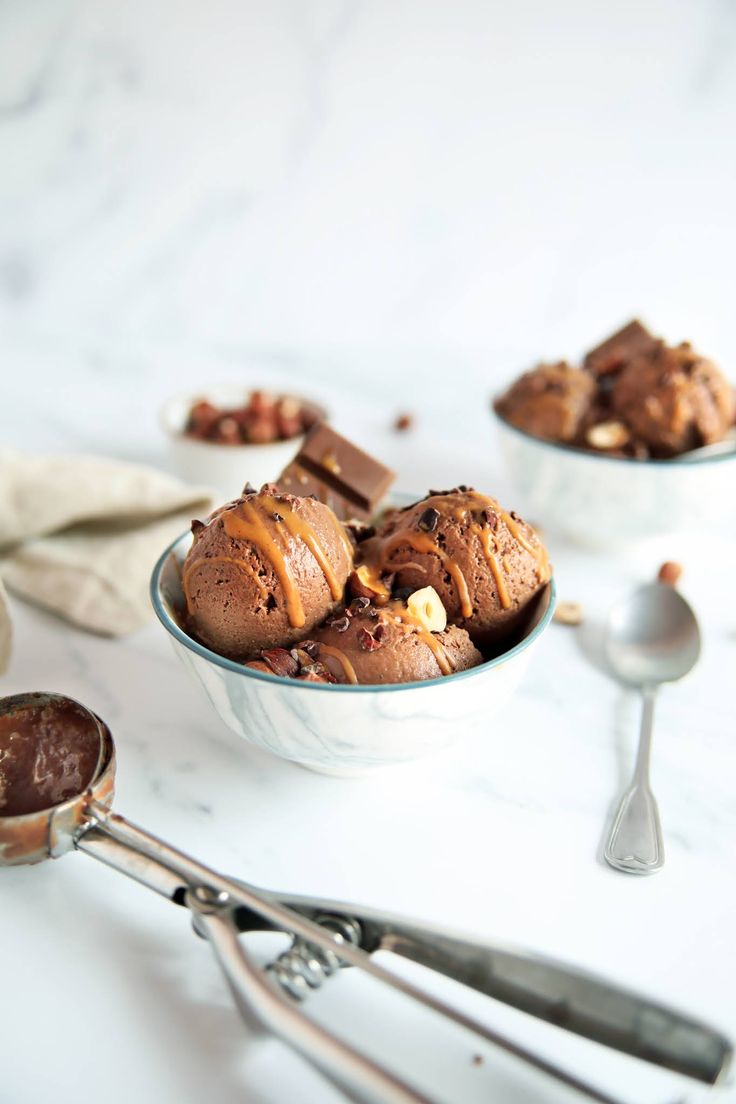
{"points": [[390, 206]]}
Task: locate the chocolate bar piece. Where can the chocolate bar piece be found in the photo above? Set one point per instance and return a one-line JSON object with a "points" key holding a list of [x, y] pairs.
{"points": [[341, 475], [632, 341]]}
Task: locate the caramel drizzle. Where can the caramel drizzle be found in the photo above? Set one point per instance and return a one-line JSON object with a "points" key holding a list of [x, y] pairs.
{"points": [[423, 542], [538, 551], [436, 646], [243, 564], [345, 663], [484, 535], [302, 530], [247, 522], [372, 579]]}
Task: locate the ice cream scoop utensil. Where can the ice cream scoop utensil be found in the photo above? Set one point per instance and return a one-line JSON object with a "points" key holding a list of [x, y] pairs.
{"points": [[327, 935], [651, 637]]}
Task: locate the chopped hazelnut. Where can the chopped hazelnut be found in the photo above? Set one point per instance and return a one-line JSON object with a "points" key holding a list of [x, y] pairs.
{"points": [[365, 583], [670, 573], [426, 606], [568, 613], [607, 435]]}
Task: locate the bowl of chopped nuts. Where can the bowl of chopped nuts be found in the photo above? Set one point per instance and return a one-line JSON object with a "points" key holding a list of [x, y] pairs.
{"points": [[227, 434]]}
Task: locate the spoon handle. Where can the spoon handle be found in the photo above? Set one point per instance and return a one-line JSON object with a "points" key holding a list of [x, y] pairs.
{"points": [[635, 843]]}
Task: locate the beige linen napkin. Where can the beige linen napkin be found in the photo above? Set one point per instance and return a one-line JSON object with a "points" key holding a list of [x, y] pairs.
{"points": [[80, 535]]}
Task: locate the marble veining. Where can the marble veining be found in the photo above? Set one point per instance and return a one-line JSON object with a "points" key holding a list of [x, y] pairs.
{"points": [[386, 206]]}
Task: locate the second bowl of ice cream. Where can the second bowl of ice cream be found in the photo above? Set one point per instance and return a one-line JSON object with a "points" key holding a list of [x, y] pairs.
{"points": [[637, 442]]}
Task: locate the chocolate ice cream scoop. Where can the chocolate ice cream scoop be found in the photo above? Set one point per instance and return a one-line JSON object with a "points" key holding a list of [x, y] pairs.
{"points": [[486, 565], [50, 750], [673, 400], [362, 644], [551, 401], [264, 571]]}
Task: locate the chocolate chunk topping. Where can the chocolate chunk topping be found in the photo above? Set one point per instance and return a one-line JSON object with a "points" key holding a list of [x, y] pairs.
{"points": [[342, 476], [196, 526], [339, 624], [249, 489], [277, 516], [631, 341], [491, 519], [359, 604], [428, 520]]}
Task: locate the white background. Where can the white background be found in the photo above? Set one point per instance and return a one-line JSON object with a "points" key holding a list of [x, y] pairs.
{"points": [[390, 206]]}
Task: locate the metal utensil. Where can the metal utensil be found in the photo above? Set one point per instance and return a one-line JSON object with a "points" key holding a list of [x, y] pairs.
{"points": [[326, 935], [651, 637]]}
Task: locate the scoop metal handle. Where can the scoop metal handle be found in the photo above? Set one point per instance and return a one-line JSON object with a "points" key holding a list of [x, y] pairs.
{"points": [[552, 991], [635, 842]]}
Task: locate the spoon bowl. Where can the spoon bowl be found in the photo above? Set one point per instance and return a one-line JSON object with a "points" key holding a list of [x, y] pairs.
{"points": [[652, 636]]}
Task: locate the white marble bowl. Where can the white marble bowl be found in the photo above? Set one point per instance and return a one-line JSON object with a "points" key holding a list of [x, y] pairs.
{"points": [[603, 501], [226, 468], [345, 730]]}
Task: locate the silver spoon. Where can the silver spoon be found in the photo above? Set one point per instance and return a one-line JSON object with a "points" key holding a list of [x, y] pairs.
{"points": [[652, 637]]}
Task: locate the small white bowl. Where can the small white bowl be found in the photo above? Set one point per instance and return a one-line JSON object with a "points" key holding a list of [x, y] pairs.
{"points": [[226, 468], [603, 501], [344, 730]]}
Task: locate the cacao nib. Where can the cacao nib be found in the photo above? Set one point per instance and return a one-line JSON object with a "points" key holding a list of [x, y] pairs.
{"points": [[368, 641], [428, 520]]}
